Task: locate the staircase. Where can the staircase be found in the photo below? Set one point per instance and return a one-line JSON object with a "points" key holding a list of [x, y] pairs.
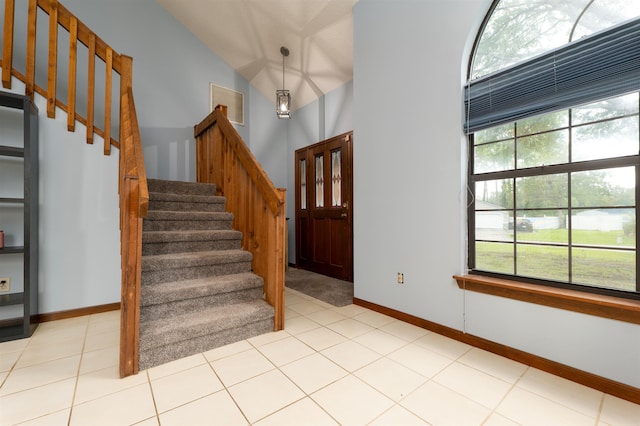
{"points": [[197, 291]]}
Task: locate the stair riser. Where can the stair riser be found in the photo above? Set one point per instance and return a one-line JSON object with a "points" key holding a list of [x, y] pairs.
{"points": [[189, 273], [149, 249], [185, 225], [153, 356], [168, 310], [185, 206]]}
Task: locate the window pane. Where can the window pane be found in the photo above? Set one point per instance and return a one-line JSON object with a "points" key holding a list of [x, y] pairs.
{"points": [[543, 149], [494, 194], [604, 188], [610, 108], [605, 268], [548, 192], [519, 30], [603, 14], [551, 263], [547, 226], [494, 157], [543, 123], [494, 257], [493, 225], [604, 227], [608, 139], [494, 134]]}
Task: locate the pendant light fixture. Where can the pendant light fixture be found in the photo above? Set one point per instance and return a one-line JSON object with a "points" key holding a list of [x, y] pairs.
{"points": [[283, 98]]}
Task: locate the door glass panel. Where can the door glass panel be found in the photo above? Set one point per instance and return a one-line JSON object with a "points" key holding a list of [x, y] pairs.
{"points": [[336, 179], [303, 184], [320, 181]]}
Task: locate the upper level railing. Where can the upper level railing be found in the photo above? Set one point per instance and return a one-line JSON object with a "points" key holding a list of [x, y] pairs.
{"points": [[60, 18], [258, 207], [132, 183]]}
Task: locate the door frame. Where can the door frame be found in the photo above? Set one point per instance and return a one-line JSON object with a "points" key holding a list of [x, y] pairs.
{"points": [[305, 242]]}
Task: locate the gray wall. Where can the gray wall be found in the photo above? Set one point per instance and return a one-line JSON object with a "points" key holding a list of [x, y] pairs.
{"points": [[410, 190]]}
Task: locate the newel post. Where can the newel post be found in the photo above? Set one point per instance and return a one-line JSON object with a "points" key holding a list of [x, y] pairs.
{"points": [[222, 109], [126, 78]]}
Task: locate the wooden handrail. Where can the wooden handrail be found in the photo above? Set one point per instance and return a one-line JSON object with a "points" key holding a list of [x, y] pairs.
{"points": [[258, 207], [132, 181]]}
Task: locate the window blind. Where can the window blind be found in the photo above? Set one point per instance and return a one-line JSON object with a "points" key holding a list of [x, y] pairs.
{"points": [[596, 67]]}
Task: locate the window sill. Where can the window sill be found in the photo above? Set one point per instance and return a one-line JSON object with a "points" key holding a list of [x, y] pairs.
{"points": [[571, 300]]}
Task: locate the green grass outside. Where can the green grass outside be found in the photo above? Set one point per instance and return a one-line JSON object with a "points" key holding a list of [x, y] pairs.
{"points": [[601, 268]]}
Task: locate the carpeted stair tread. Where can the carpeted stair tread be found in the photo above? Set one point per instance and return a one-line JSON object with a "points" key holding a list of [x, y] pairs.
{"points": [[172, 351], [187, 260], [160, 220], [191, 325], [196, 288], [174, 187], [187, 216], [164, 201], [197, 235], [187, 198]]}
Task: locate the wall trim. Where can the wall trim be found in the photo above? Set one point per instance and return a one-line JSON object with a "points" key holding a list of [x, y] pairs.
{"points": [[620, 390], [72, 313]]}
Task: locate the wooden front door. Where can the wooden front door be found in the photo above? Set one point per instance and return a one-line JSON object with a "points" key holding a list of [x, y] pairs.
{"points": [[324, 195]]}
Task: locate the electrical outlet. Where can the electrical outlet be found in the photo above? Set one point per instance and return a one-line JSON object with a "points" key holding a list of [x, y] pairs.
{"points": [[400, 278], [5, 284]]}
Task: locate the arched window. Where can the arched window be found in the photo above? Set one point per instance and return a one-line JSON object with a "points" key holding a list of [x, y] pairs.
{"points": [[551, 110]]}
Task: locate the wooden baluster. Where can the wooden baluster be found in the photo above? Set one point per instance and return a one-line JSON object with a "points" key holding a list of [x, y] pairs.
{"points": [[107, 101], [30, 74], [216, 169], [91, 87], [7, 43], [73, 61], [52, 74]]}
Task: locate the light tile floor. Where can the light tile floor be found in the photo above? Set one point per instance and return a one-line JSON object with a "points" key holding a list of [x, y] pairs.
{"points": [[348, 366]]}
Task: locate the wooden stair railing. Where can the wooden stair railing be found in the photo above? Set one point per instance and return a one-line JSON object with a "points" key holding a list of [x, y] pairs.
{"points": [[258, 207], [132, 183]]}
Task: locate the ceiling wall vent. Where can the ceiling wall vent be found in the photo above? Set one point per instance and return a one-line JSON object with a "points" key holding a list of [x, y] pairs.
{"points": [[232, 99]]}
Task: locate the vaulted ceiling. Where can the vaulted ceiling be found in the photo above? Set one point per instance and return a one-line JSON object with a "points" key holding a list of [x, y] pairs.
{"points": [[248, 34]]}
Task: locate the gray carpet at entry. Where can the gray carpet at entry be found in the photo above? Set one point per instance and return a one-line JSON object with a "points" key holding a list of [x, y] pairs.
{"points": [[333, 291]]}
